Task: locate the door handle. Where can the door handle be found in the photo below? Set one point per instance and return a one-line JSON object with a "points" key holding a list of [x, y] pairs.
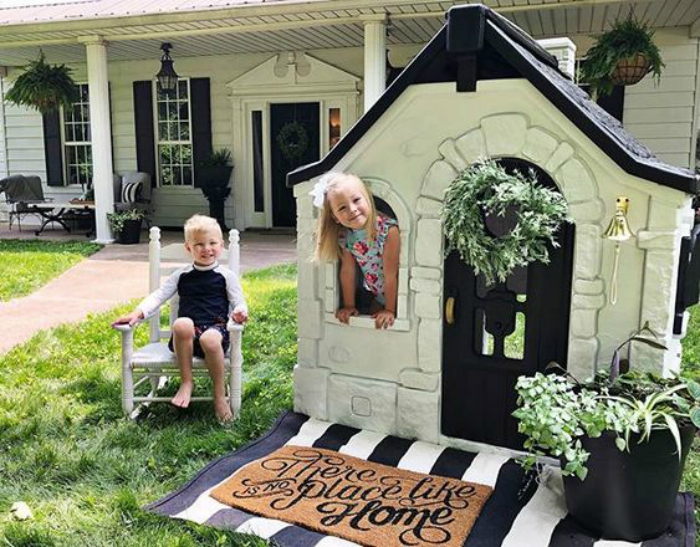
{"points": [[450, 310]]}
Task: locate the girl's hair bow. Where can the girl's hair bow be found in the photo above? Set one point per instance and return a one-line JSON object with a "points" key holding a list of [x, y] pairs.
{"points": [[320, 189]]}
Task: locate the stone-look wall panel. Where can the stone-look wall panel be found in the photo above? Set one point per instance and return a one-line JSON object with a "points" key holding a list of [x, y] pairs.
{"points": [[561, 154], [438, 178], [418, 415], [587, 212], [589, 251], [429, 243], [430, 345], [429, 208], [310, 310], [363, 403], [414, 378], [504, 134], [307, 282], [426, 273], [308, 352], [311, 391], [472, 146], [448, 150], [576, 182], [583, 357], [587, 286], [429, 286], [539, 145], [427, 305], [584, 322]]}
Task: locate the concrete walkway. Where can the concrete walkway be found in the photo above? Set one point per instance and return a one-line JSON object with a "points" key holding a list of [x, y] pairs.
{"points": [[114, 275]]}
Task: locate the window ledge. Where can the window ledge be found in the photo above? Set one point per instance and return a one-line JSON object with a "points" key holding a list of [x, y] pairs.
{"points": [[366, 322]]}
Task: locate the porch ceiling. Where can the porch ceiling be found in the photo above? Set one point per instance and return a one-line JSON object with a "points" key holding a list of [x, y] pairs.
{"points": [[287, 25]]}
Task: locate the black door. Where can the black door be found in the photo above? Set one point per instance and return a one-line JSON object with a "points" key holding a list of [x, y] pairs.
{"points": [[294, 129], [501, 332]]}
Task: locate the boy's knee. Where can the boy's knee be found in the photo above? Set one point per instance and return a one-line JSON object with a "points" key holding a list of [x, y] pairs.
{"points": [[210, 341], [183, 326]]}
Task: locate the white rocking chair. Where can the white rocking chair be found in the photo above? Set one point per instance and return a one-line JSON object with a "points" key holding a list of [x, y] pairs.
{"points": [[154, 362]]}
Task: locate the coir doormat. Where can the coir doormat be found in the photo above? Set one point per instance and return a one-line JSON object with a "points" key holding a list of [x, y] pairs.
{"points": [[369, 503], [512, 517]]}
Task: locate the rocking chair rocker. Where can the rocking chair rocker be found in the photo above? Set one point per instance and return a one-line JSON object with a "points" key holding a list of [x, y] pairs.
{"points": [[154, 362]]}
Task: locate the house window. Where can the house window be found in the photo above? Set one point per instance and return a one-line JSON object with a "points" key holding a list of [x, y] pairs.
{"points": [[174, 136], [77, 140]]}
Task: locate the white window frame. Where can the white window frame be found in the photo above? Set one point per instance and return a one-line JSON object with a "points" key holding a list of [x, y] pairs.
{"points": [[157, 142], [65, 143]]}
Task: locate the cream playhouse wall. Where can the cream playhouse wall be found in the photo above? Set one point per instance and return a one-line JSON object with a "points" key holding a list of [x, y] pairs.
{"points": [[389, 381]]}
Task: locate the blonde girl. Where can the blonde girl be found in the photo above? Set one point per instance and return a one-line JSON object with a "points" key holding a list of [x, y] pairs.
{"points": [[352, 230]]}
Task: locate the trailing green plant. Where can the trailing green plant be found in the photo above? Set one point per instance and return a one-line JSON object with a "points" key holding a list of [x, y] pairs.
{"points": [[624, 40], [118, 218], [218, 158], [556, 411], [44, 87], [487, 189]]}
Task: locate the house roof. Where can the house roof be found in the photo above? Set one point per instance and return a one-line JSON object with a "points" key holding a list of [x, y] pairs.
{"points": [[505, 51]]}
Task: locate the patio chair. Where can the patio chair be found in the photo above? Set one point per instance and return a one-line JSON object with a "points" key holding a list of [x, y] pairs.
{"points": [[132, 190], [22, 195], [155, 363]]}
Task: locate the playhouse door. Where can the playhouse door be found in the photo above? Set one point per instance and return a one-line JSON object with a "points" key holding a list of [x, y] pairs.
{"points": [[294, 129], [494, 334]]}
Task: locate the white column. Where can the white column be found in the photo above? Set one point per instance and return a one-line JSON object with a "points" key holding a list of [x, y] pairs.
{"points": [[565, 52], [102, 164], [375, 58]]}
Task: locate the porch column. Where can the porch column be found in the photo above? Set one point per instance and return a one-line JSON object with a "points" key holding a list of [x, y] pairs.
{"points": [[102, 163], [375, 58]]}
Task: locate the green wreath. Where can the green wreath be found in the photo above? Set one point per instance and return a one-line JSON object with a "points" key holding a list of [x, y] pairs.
{"points": [[293, 140], [486, 189]]}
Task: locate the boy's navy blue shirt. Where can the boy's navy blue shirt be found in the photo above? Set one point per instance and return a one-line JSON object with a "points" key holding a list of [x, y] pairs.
{"points": [[208, 294]]}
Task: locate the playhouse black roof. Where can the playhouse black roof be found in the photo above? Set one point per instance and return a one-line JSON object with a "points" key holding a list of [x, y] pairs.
{"points": [[496, 49]]}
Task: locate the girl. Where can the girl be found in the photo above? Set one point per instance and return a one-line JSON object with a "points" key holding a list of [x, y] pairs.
{"points": [[350, 228]]}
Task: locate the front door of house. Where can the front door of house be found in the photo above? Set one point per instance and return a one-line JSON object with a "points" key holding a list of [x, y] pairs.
{"points": [[294, 130], [497, 333]]}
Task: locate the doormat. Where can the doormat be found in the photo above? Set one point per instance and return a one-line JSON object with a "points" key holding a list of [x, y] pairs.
{"points": [[513, 516], [369, 503]]}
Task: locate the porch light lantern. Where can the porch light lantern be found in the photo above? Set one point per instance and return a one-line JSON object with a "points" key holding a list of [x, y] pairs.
{"points": [[167, 77], [618, 230]]}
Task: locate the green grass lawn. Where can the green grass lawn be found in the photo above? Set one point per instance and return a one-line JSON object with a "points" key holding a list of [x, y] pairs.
{"points": [[27, 265], [85, 471]]}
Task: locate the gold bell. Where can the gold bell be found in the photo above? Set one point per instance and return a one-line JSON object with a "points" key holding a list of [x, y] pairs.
{"points": [[618, 230]]}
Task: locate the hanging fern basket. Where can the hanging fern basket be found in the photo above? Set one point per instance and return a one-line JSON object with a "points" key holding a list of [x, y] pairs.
{"points": [[488, 190], [630, 70], [44, 87]]}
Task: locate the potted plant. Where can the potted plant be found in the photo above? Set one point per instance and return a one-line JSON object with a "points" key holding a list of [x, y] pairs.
{"points": [[44, 87], [621, 439], [213, 175], [126, 225], [621, 56]]}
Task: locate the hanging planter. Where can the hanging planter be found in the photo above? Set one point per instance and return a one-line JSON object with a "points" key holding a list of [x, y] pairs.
{"points": [[621, 56], [486, 189], [44, 87]]}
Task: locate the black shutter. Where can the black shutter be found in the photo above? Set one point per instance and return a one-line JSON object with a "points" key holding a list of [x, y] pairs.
{"points": [[52, 148], [145, 138], [201, 122]]}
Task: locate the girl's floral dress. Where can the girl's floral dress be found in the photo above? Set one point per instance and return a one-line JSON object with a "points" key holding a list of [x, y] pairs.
{"points": [[369, 255]]}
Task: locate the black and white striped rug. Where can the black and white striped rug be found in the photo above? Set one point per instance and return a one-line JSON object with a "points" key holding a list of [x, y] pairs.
{"points": [[536, 518]]}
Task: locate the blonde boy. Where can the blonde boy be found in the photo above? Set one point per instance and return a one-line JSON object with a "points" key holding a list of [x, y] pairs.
{"points": [[209, 293]]}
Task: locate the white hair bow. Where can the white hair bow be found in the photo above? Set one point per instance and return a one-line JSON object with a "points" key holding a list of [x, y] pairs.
{"points": [[321, 188]]}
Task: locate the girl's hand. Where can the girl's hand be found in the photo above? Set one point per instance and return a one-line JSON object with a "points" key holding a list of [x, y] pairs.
{"points": [[130, 319], [344, 314], [383, 319], [239, 316]]}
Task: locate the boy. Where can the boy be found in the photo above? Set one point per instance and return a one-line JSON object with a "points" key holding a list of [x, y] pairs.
{"points": [[208, 293]]}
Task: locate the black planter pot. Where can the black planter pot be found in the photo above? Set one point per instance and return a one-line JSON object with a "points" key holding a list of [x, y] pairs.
{"points": [[213, 176], [628, 495], [217, 198], [131, 232]]}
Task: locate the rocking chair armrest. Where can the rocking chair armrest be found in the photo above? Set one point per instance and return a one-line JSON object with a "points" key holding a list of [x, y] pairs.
{"points": [[124, 327], [232, 326]]}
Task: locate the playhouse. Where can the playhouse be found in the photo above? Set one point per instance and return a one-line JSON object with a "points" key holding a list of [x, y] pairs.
{"points": [[483, 88]]}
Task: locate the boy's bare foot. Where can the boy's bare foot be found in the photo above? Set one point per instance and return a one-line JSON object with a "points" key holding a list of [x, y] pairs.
{"points": [[222, 410], [183, 395]]}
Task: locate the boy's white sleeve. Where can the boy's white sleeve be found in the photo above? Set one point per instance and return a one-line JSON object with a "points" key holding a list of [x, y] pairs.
{"points": [[236, 300], [157, 298]]}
